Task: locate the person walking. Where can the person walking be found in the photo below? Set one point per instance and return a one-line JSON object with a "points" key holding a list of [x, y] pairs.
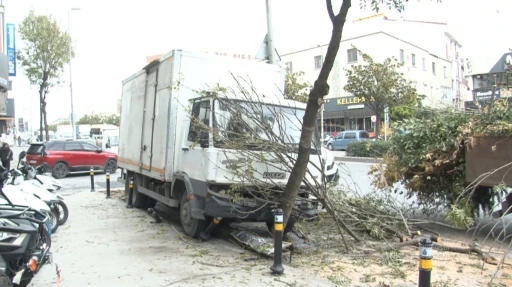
{"points": [[19, 140], [6, 156]]}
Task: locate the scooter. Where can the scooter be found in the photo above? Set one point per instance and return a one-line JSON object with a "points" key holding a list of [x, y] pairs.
{"points": [[38, 173], [25, 238], [55, 201]]}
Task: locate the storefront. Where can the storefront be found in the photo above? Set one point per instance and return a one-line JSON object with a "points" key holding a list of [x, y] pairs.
{"points": [[483, 96], [347, 113], [6, 120]]}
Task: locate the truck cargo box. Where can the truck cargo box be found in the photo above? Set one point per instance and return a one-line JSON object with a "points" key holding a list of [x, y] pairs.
{"points": [[155, 103]]}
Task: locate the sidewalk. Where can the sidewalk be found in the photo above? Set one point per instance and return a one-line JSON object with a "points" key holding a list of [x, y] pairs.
{"points": [[103, 244]]}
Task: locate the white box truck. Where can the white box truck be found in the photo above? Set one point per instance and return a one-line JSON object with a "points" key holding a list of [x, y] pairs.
{"points": [[157, 150]]}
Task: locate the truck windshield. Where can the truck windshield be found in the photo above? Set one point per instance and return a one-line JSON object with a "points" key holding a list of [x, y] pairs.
{"points": [[114, 140], [233, 119]]}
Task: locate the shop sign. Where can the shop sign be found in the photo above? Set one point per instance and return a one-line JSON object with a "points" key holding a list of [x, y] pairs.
{"points": [[350, 101], [485, 95]]}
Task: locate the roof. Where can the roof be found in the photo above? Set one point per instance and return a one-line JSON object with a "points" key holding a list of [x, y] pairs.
{"points": [[363, 36]]}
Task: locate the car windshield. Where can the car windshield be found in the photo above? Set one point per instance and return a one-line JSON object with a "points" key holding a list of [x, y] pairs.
{"points": [[286, 122]]}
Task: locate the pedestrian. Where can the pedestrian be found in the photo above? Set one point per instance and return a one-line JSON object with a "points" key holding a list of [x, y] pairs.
{"points": [[6, 156], [19, 140]]}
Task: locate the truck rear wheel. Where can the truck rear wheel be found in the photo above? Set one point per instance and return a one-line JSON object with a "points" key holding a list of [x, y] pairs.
{"points": [[192, 226]]}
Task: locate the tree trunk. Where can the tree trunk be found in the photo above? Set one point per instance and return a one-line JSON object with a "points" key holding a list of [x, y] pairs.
{"points": [[377, 124], [315, 100], [41, 91], [45, 121]]}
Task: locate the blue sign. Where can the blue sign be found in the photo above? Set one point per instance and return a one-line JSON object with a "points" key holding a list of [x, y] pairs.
{"points": [[11, 49]]}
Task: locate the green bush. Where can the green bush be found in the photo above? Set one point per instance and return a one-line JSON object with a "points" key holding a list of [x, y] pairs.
{"points": [[368, 148]]}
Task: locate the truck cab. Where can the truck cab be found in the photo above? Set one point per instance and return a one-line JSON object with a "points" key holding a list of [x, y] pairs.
{"points": [[172, 161]]}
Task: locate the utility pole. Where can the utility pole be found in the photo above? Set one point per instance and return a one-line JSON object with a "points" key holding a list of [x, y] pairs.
{"points": [[70, 76], [489, 112], [270, 34]]}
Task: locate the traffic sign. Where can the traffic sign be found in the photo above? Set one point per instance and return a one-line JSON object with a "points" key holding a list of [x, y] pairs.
{"points": [[374, 118]]}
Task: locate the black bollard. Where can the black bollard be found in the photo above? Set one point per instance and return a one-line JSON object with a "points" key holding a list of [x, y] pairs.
{"points": [[130, 193], [108, 183], [277, 267], [425, 262], [92, 178], [207, 234]]}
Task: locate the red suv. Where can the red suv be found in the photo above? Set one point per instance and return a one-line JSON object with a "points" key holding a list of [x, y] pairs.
{"points": [[64, 157]]}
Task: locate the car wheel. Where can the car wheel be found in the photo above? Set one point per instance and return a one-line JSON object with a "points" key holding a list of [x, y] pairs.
{"points": [[330, 147], [111, 166], [60, 170]]}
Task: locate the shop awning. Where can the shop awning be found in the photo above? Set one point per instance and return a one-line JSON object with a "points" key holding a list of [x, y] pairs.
{"points": [[359, 113]]}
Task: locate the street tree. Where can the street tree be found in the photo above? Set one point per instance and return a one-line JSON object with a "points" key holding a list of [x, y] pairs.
{"points": [[46, 49], [295, 88], [97, 119], [380, 86], [319, 91]]}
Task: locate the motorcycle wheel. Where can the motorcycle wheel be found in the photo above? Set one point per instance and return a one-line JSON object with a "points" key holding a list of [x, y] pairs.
{"points": [[45, 237], [63, 214], [5, 281], [54, 220]]}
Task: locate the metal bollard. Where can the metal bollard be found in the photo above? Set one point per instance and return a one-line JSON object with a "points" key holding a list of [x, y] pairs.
{"points": [[108, 183], [207, 234], [425, 262], [130, 193], [277, 267], [92, 178]]}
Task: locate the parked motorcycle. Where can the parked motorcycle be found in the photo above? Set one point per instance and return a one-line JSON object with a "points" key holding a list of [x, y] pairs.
{"points": [[55, 201], [25, 239]]}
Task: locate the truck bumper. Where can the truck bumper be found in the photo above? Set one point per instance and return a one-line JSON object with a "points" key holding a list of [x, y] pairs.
{"points": [[217, 206], [252, 210]]}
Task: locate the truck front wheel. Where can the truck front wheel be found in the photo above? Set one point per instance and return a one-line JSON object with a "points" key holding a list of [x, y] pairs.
{"points": [[192, 226]]}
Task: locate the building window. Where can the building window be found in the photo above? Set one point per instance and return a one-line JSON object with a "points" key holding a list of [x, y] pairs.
{"points": [[433, 68], [402, 56], [318, 62], [289, 67], [413, 59], [423, 63], [444, 72], [352, 55]]}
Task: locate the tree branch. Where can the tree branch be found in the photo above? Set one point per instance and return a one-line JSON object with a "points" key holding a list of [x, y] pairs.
{"points": [[330, 11]]}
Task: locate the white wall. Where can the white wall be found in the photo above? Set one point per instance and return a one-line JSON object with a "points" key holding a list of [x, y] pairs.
{"points": [[381, 46]]}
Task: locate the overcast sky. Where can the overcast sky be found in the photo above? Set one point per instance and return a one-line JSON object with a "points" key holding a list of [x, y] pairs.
{"points": [[113, 38]]}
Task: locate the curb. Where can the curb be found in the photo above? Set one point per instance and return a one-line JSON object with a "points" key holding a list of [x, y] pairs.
{"points": [[358, 159]]}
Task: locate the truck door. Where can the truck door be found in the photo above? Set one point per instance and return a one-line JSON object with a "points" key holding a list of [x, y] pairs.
{"points": [[148, 119], [197, 140]]}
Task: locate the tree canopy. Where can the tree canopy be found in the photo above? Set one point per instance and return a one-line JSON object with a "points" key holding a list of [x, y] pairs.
{"points": [[96, 119], [295, 88], [46, 49], [380, 85]]}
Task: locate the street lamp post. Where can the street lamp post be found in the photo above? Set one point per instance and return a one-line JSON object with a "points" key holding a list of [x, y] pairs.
{"points": [[70, 77]]}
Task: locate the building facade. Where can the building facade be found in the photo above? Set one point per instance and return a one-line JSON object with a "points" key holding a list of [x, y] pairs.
{"points": [[429, 73], [481, 84]]}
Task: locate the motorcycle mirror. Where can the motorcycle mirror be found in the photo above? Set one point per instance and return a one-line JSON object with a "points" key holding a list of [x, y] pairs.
{"points": [[22, 155]]}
